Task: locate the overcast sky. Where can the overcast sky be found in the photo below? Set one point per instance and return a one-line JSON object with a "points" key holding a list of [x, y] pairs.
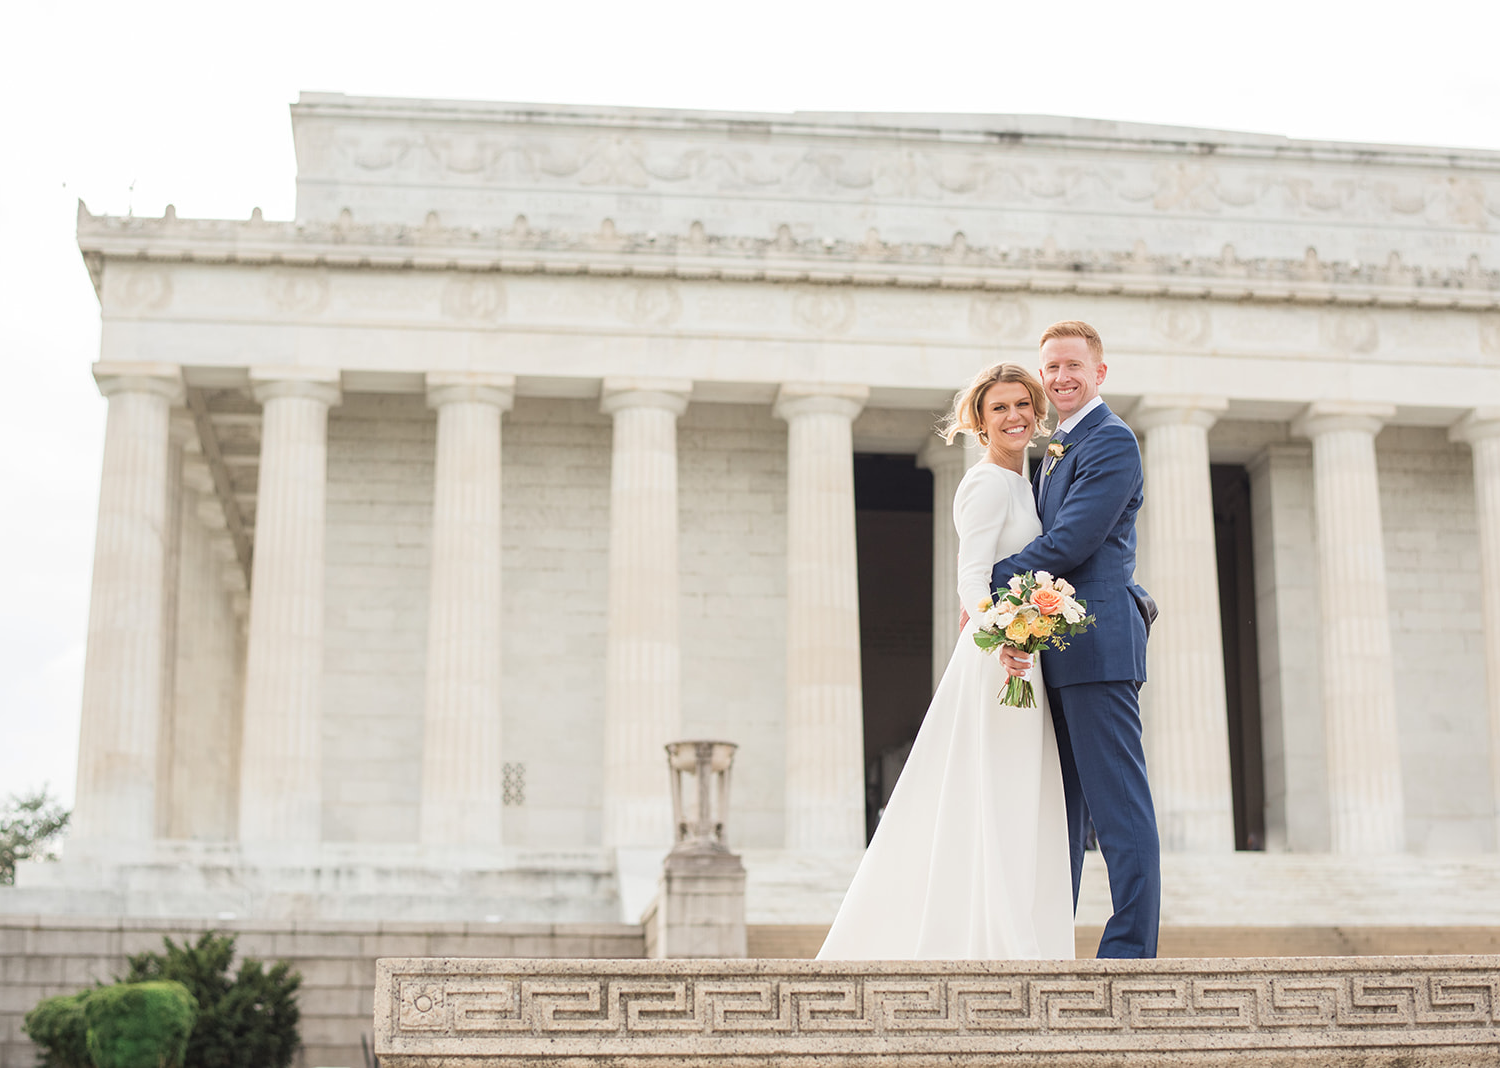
{"points": [[134, 106]]}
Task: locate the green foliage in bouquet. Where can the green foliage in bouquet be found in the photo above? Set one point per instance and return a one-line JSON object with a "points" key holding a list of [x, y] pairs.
{"points": [[60, 1032], [249, 1020], [139, 1025]]}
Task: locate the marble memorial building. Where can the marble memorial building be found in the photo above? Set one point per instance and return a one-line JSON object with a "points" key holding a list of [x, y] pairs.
{"points": [[546, 435]]}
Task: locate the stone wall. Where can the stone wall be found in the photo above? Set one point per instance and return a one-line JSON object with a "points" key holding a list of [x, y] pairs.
{"points": [[1432, 558], [380, 461], [732, 485], [555, 554], [52, 955]]}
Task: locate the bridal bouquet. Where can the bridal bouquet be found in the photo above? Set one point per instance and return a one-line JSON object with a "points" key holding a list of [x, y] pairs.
{"points": [[1037, 611]]}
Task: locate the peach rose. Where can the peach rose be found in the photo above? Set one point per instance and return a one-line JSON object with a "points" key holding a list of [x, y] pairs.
{"points": [[1049, 602]]}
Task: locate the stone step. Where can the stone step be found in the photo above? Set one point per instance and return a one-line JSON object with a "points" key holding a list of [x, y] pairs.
{"points": [[802, 941], [1340, 1012]]}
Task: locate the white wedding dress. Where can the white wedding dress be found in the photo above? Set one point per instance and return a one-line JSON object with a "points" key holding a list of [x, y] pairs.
{"points": [[970, 860]]}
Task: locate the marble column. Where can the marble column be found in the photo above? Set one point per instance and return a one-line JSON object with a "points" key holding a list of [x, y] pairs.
{"points": [[825, 773], [642, 697], [462, 785], [1366, 811], [948, 464], [1187, 740], [281, 763], [1481, 429], [180, 434], [115, 807]]}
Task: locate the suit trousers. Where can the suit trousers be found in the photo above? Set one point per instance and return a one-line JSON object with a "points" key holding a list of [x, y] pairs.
{"points": [[1098, 726]]}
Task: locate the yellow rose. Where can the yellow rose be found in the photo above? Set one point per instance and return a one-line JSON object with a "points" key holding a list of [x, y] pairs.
{"points": [[1041, 627], [1018, 629]]}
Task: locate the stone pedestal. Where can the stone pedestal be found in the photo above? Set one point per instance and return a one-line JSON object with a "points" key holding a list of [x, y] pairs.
{"points": [[825, 779], [1481, 429], [1366, 810], [281, 771], [462, 788], [699, 910], [948, 464], [1188, 736], [643, 685], [123, 682]]}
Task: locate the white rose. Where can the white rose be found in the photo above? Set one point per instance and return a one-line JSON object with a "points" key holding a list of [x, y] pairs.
{"points": [[1072, 612], [1016, 582], [1044, 578], [1064, 587]]}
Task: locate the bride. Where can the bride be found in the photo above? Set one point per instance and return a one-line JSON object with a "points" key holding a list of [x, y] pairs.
{"points": [[970, 859]]}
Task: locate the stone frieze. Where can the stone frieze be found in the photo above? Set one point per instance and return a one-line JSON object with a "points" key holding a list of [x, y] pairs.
{"points": [[1325, 1011]]}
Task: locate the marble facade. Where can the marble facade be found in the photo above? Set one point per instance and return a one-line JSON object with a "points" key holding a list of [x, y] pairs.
{"points": [[526, 448]]}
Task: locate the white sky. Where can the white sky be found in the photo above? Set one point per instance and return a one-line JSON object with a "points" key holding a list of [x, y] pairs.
{"points": [[134, 106]]}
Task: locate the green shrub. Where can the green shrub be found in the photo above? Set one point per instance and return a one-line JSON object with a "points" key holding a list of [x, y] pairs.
{"points": [[58, 1028], [139, 1025], [248, 1021]]}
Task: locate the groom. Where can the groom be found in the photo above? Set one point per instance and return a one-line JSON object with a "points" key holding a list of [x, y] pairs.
{"points": [[1088, 490]]}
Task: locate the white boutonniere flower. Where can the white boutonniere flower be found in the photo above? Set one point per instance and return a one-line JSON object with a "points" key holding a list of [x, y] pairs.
{"points": [[1056, 449]]}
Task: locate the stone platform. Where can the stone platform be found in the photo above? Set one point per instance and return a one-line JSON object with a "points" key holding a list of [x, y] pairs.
{"points": [[1366, 1011]]}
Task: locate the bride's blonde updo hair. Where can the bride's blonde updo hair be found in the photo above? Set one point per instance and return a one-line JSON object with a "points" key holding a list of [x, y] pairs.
{"points": [[965, 417]]}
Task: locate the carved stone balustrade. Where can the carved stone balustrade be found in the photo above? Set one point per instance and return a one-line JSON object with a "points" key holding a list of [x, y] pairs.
{"points": [[1324, 1011]]}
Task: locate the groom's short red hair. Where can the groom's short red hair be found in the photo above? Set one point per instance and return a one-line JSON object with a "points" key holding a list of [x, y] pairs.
{"points": [[1075, 328]]}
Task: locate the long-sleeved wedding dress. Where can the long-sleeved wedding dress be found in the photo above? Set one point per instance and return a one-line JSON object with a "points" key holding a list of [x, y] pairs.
{"points": [[970, 860]]}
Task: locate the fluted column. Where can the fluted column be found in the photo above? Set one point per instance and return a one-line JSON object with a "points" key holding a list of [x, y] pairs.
{"points": [[1366, 812], [115, 808], [1481, 429], [825, 774], [948, 464], [461, 772], [642, 697], [281, 770], [1188, 739]]}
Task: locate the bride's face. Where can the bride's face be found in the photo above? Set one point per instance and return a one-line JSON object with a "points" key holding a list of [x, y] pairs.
{"points": [[1009, 420]]}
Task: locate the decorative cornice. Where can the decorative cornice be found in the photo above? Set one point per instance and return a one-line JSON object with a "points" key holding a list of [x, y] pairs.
{"points": [[520, 249]]}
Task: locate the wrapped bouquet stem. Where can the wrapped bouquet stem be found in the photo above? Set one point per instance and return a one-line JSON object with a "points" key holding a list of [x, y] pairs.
{"points": [[1036, 612]]}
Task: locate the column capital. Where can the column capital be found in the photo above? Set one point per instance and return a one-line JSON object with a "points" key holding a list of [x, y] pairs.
{"points": [[1322, 417], [1177, 409], [804, 398], [163, 379], [475, 387], [1479, 424], [269, 383], [935, 452], [623, 392]]}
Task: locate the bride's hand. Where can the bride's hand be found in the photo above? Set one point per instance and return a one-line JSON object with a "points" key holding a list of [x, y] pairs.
{"points": [[1015, 662]]}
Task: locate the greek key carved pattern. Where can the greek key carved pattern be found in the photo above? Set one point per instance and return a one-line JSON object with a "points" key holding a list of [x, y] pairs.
{"points": [[631, 1007]]}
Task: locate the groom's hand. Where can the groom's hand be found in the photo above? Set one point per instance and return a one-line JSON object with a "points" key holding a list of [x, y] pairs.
{"points": [[1015, 662]]}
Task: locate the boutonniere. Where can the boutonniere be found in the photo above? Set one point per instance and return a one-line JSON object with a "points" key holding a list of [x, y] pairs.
{"points": [[1057, 449]]}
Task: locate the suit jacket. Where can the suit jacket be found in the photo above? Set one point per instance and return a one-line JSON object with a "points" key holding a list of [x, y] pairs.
{"points": [[1088, 507]]}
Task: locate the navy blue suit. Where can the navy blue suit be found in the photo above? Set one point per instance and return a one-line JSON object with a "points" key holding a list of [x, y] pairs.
{"points": [[1088, 503]]}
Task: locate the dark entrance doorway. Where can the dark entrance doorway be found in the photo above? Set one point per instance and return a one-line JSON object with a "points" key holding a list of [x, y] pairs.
{"points": [[893, 527], [1236, 556]]}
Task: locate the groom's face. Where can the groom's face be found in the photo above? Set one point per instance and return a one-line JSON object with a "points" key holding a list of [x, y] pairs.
{"points": [[1071, 373]]}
